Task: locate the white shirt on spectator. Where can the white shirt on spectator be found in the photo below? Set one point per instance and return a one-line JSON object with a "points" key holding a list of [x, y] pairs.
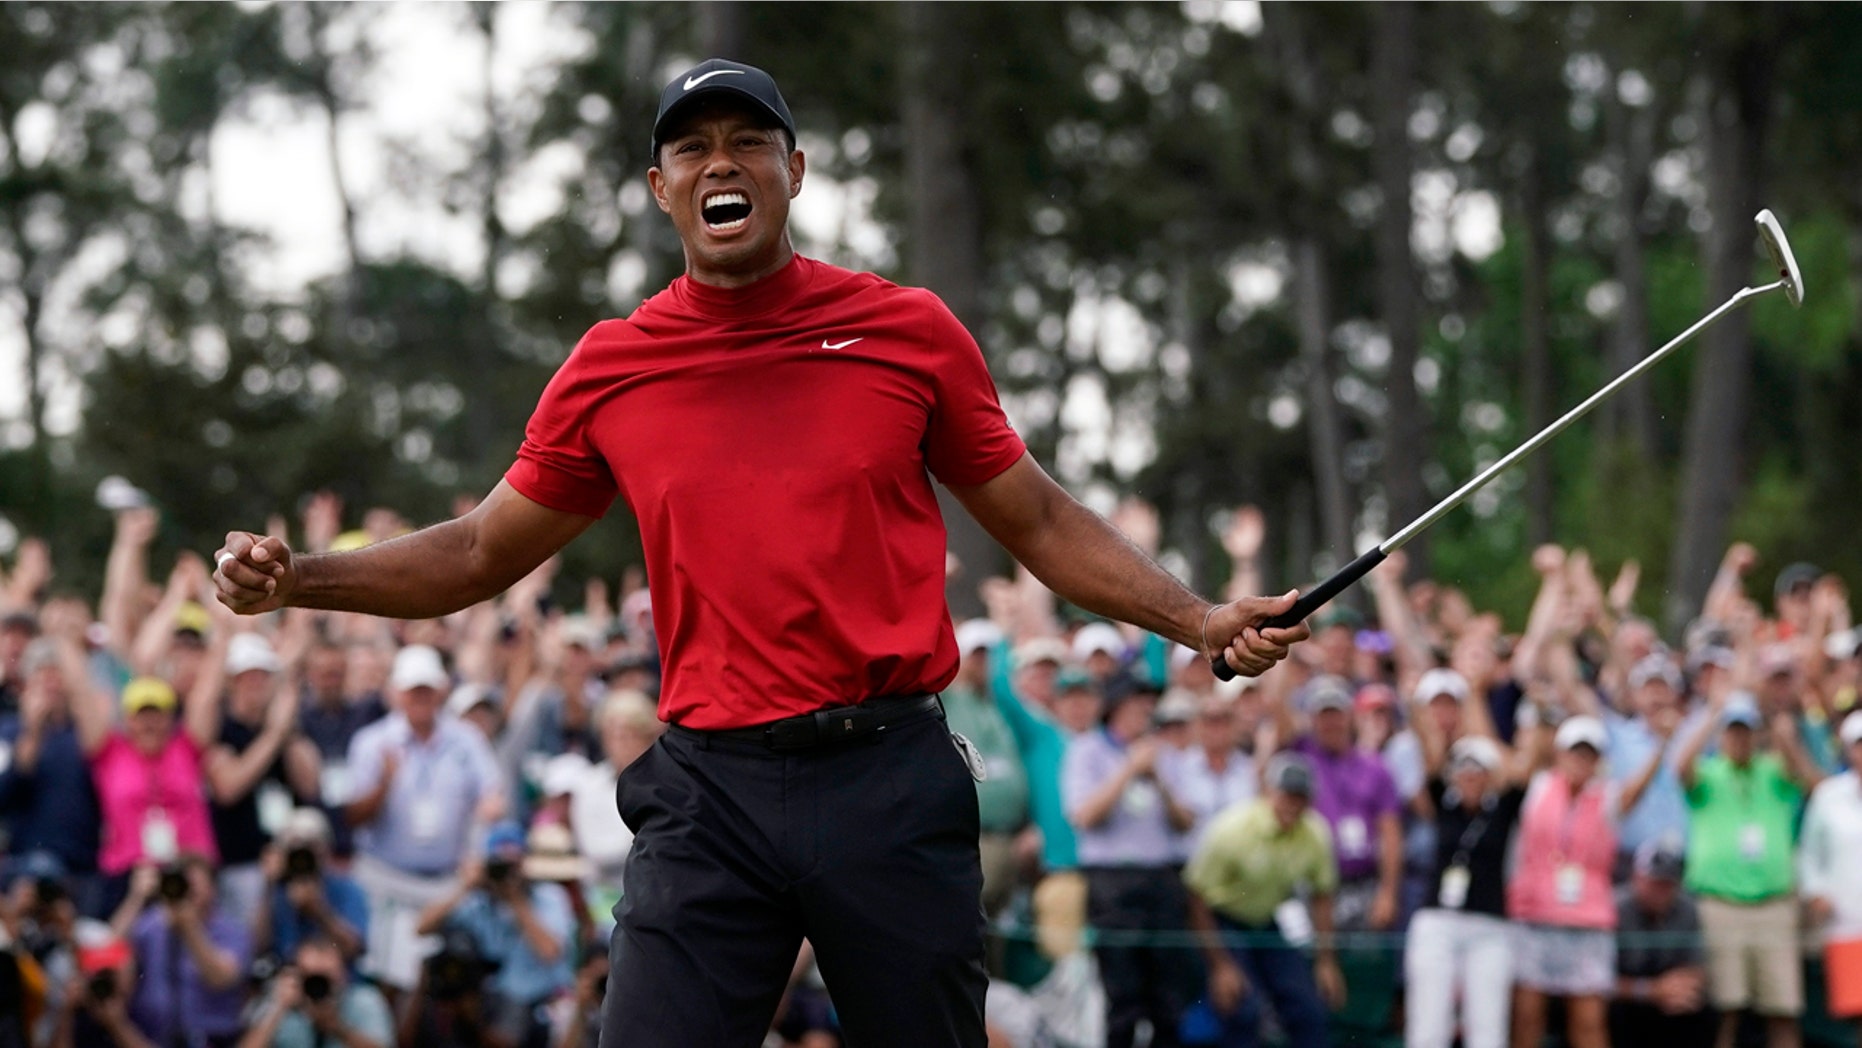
{"points": [[600, 835], [1830, 852], [1206, 792]]}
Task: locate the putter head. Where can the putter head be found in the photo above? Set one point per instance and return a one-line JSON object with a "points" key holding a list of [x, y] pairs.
{"points": [[1781, 258]]}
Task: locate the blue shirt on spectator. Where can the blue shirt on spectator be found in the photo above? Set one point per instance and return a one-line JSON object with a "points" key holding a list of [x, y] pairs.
{"points": [[173, 1004], [522, 975], [291, 926], [53, 807], [424, 826], [1137, 833], [1662, 811]]}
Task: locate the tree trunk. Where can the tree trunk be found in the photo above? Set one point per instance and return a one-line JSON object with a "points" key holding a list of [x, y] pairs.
{"points": [[1322, 421], [1536, 351], [946, 234], [1312, 307], [721, 29], [1712, 470], [1627, 420], [1406, 433]]}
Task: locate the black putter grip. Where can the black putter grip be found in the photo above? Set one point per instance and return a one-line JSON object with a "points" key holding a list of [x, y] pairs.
{"points": [[1310, 601]]}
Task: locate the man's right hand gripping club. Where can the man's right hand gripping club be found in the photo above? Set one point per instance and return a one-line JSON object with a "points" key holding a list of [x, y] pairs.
{"points": [[1233, 632], [254, 573]]}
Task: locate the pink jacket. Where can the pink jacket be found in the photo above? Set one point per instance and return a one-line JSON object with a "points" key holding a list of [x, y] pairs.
{"points": [[1557, 831]]}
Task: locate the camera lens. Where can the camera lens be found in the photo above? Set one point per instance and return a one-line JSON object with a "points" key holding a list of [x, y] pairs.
{"points": [[300, 862], [173, 886], [317, 987], [102, 985]]}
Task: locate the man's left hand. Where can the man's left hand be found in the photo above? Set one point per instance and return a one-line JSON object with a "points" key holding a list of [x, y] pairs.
{"points": [[1234, 632], [1383, 910]]}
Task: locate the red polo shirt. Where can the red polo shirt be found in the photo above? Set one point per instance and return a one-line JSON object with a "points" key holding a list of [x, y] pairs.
{"points": [[776, 444]]}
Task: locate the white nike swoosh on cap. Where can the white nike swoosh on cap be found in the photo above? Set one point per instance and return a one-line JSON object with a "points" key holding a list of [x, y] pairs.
{"points": [[825, 344], [694, 81]]}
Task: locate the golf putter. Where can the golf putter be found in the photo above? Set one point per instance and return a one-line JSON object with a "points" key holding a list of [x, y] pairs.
{"points": [[1789, 281]]}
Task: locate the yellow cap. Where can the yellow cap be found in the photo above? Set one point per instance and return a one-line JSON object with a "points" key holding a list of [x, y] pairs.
{"points": [[148, 693], [191, 616], [349, 540]]}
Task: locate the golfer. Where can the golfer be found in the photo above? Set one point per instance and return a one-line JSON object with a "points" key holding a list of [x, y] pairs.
{"points": [[774, 424]]}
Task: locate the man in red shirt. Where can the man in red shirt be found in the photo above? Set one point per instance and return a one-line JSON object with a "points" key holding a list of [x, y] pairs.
{"points": [[774, 424]]}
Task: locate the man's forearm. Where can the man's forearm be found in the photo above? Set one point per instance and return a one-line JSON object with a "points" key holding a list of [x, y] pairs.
{"points": [[1087, 561], [398, 579]]}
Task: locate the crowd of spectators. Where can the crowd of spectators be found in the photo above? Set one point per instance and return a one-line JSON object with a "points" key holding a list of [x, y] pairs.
{"points": [[313, 828]]}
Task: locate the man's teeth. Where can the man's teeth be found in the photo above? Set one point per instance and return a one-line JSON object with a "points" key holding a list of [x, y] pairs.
{"points": [[722, 212]]}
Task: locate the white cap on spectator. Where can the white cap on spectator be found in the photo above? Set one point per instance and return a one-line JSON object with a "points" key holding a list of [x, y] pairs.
{"points": [[250, 651], [1842, 644], [1655, 667], [468, 697], [1475, 749], [418, 666], [305, 826], [577, 631], [1581, 731], [1098, 637], [1442, 681], [1178, 706], [977, 634], [1851, 731], [561, 774], [1040, 649]]}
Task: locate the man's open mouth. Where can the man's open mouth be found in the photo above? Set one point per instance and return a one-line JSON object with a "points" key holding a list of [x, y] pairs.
{"points": [[726, 211]]}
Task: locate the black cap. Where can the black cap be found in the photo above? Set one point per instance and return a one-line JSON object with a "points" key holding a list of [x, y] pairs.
{"points": [[1290, 773], [1661, 859], [1795, 575], [716, 76]]}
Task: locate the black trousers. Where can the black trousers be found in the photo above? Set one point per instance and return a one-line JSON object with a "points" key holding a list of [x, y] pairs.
{"points": [[866, 848], [1141, 982]]}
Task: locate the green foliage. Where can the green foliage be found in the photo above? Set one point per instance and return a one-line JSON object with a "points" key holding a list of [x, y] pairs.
{"points": [[1122, 152]]}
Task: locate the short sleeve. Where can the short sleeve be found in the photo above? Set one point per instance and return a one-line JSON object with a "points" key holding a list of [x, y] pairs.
{"points": [[364, 762], [366, 1012], [969, 439], [557, 465], [1208, 868], [1079, 773]]}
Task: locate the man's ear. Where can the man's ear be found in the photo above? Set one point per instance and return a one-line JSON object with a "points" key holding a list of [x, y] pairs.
{"points": [[656, 181], [798, 165]]}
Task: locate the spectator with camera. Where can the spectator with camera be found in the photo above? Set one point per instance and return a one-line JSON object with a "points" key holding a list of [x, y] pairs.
{"points": [[191, 955], [90, 995], [316, 1003], [48, 805], [306, 898], [520, 922], [450, 1006]]}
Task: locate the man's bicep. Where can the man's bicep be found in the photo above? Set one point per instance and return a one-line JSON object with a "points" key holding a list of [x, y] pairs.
{"points": [[1014, 504], [511, 534]]}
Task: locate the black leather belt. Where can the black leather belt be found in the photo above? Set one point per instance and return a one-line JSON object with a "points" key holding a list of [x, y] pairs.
{"points": [[835, 724]]}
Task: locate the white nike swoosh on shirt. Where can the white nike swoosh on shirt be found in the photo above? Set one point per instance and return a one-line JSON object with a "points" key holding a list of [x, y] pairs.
{"points": [[825, 344], [694, 81]]}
